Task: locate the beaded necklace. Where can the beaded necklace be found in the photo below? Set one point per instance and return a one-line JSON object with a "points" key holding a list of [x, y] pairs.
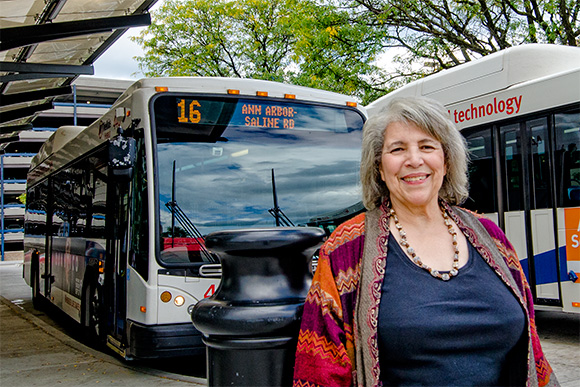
{"points": [[445, 276]]}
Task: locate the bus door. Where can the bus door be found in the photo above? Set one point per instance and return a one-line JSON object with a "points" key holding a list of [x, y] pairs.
{"points": [[43, 259], [116, 273], [567, 168], [58, 239], [529, 204]]}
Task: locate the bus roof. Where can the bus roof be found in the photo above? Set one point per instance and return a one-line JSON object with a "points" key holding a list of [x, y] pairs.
{"points": [[219, 85], [58, 139], [492, 73]]}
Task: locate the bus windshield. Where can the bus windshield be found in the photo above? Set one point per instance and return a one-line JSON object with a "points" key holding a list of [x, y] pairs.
{"points": [[227, 163]]}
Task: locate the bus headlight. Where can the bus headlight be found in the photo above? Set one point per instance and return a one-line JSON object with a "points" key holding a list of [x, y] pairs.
{"points": [[179, 301]]}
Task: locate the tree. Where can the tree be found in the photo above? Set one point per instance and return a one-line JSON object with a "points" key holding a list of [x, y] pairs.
{"points": [[441, 33], [249, 38], [335, 44], [294, 41], [337, 50]]}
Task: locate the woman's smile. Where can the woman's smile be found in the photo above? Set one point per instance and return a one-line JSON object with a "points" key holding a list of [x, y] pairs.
{"points": [[415, 178]]}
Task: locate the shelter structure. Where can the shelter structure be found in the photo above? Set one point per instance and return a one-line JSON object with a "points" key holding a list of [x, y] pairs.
{"points": [[45, 45]]}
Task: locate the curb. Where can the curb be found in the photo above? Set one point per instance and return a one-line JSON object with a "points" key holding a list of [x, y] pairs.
{"points": [[76, 345]]}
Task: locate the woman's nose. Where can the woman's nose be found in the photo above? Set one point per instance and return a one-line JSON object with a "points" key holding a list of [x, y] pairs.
{"points": [[415, 158]]}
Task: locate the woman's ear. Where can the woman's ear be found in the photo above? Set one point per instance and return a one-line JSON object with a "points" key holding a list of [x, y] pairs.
{"points": [[381, 171]]}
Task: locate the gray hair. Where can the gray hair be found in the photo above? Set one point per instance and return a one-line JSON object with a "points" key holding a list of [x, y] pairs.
{"points": [[430, 116]]}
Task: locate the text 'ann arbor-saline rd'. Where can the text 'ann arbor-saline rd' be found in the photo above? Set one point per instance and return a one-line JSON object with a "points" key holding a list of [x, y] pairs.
{"points": [[276, 117]]}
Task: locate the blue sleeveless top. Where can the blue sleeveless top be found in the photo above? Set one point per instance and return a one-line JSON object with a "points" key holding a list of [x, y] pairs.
{"points": [[446, 333]]}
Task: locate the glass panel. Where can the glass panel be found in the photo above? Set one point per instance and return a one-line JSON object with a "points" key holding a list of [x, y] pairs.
{"points": [[567, 159], [139, 257], [512, 163], [208, 117], [540, 163], [36, 203], [482, 197], [225, 182], [99, 204], [60, 189]]}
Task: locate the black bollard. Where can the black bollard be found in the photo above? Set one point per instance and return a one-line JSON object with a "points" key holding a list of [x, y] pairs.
{"points": [[250, 325]]}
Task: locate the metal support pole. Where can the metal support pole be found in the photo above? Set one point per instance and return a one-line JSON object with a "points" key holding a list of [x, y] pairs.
{"points": [[75, 105], [2, 202]]}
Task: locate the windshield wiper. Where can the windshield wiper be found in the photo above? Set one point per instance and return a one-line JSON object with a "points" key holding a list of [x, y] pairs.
{"points": [[276, 212], [190, 228], [186, 223]]}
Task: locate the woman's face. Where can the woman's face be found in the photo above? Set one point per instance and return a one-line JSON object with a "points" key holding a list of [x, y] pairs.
{"points": [[412, 165]]}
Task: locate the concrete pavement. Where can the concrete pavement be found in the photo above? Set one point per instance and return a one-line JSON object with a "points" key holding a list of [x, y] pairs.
{"points": [[33, 353]]}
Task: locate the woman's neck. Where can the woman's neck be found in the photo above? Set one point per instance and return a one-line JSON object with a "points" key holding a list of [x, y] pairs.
{"points": [[417, 215]]}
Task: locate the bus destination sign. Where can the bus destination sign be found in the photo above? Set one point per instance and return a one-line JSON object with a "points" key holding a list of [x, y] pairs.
{"points": [[262, 114]]}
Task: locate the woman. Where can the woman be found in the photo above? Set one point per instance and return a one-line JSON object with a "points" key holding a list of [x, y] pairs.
{"points": [[417, 291]]}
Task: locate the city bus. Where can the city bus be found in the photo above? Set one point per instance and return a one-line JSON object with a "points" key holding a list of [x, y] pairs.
{"points": [[519, 110], [117, 212]]}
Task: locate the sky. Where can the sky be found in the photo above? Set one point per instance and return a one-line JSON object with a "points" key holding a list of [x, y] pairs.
{"points": [[118, 61]]}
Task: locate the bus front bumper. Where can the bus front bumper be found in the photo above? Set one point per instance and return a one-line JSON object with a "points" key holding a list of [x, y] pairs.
{"points": [[161, 341]]}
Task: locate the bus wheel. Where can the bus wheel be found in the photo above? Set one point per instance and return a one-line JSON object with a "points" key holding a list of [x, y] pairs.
{"points": [[93, 312], [37, 299]]}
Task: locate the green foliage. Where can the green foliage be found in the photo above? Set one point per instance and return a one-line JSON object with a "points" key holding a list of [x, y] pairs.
{"points": [[439, 34], [337, 51], [293, 41], [337, 44], [249, 38]]}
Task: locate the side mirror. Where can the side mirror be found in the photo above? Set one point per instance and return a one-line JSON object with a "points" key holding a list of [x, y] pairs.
{"points": [[122, 152]]}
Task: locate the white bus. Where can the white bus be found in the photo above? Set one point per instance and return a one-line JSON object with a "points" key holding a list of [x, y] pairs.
{"points": [[519, 110], [117, 212]]}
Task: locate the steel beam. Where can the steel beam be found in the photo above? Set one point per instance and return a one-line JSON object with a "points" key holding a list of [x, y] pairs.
{"points": [[15, 114], [23, 36], [48, 68], [14, 98]]}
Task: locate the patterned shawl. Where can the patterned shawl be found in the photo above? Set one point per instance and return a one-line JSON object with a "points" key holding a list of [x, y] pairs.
{"points": [[342, 306]]}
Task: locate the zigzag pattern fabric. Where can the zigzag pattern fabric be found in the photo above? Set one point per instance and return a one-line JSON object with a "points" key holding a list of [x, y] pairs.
{"points": [[325, 354]]}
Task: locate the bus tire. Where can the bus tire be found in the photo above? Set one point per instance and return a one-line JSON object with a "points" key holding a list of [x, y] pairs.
{"points": [[92, 317], [37, 298]]}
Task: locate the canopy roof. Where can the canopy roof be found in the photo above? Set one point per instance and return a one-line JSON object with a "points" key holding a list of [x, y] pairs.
{"points": [[46, 44]]}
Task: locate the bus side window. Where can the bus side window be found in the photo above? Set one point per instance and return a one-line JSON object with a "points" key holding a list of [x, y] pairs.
{"points": [[36, 201], [481, 172], [567, 158], [511, 157], [99, 203]]}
